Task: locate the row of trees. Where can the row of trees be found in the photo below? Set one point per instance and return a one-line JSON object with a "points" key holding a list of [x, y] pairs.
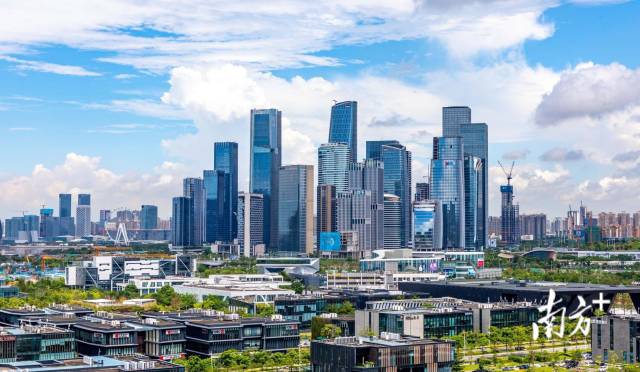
{"points": [[234, 360]]}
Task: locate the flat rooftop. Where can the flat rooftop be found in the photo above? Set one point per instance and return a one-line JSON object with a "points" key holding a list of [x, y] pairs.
{"points": [[104, 326], [218, 322], [377, 341], [533, 286]]}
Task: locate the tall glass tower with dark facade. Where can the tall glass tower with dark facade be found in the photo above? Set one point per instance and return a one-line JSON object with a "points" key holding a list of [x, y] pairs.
{"points": [[218, 204], [266, 159], [374, 148], [65, 205], [181, 221], [225, 159], [452, 119], [193, 188], [344, 126], [397, 181], [295, 209], [149, 217]]}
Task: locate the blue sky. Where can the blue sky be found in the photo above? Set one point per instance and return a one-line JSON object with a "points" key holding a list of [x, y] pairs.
{"points": [[123, 101]]}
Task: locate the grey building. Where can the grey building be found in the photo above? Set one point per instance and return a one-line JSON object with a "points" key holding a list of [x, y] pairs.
{"points": [[295, 209], [355, 214], [616, 334], [534, 225], [453, 117], [509, 218], [250, 221], [397, 181], [343, 126], [475, 137], [472, 175], [392, 221], [83, 215], [326, 215], [369, 176], [148, 217], [193, 188], [266, 160], [422, 191], [181, 222]]}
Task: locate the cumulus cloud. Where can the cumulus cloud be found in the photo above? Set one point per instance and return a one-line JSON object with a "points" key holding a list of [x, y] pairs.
{"points": [[559, 154], [516, 154], [81, 173], [590, 91]]}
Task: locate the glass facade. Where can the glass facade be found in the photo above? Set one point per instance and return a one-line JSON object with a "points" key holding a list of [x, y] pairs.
{"points": [[226, 160], [392, 222], [472, 171], [149, 217], [452, 118], [65, 205], [218, 206], [343, 127], [333, 165], [475, 137], [181, 221], [266, 152], [193, 188], [295, 209], [374, 148], [397, 181], [427, 226], [447, 324]]}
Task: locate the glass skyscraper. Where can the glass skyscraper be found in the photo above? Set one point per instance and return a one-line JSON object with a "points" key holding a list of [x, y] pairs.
{"points": [[447, 186], [472, 171], [181, 221], [225, 159], [83, 215], [149, 217], [427, 226], [392, 221], [295, 209], [343, 126], [250, 222], [452, 118], [193, 188], [475, 137], [374, 148], [218, 204], [397, 181], [333, 165], [65, 205], [266, 158], [367, 176]]}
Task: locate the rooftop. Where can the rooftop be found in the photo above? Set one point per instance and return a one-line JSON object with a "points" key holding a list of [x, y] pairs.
{"points": [[537, 286], [385, 340]]}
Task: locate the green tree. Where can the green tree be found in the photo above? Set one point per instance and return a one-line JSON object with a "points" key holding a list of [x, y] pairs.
{"points": [[214, 303], [164, 296], [330, 331], [265, 310], [297, 286], [130, 291]]}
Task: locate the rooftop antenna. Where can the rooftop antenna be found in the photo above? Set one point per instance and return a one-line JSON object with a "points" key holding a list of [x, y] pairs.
{"points": [[334, 101]]}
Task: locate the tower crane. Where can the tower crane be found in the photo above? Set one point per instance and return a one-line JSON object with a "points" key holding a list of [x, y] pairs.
{"points": [[509, 174]]}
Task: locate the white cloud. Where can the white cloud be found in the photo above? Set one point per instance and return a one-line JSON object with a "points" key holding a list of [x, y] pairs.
{"points": [[125, 76], [81, 173], [21, 129], [54, 68]]}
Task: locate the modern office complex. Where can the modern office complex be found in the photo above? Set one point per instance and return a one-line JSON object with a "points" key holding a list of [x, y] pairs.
{"points": [[392, 221], [333, 165], [427, 226], [250, 222], [476, 147], [422, 191], [295, 209], [36, 343], [453, 118], [64, 208], [509, 217], [225, 159], [326, 216], [397, 181], [266, 160], [616, 334], [148, 217], [387, 353], [218, 204], [193, 189], [181, 222], [343, 127]]}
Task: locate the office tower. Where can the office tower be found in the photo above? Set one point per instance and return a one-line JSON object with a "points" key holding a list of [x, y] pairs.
{"points": [[392, 222], [422, 191], [374, 148], [193, 188], [225, 159], [533, 225], [149, 217], [12, 227], [509, 217], [343, 126], [83, 215], [295, 209], [354, 218], [397, 181], [447, 186], [64, 209], [475, 138], [266, 158], [181, 222], [31, 228], [105, 216], [326, 212], [47, 225], [452, 119], [219, 214], [333, 165], [427, 226], [369, 176], [250, 221], [472, 171], [494, 226]]}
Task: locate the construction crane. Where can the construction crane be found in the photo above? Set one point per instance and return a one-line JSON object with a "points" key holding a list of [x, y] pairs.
{"points": [[509, 174]]}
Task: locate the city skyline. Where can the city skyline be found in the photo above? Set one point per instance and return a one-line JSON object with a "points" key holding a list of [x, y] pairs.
{"points": [[157, 114]]}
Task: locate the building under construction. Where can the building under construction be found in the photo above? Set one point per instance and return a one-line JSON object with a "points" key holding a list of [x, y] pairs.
{"points": [[510, 231]]}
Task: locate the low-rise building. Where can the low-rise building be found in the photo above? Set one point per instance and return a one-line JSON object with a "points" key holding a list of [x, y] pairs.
{"points": [[616, 334], [36, 343], [389, 353], [95, 364], [109, 338], [8, 291], [163, 339], [13, 317]]}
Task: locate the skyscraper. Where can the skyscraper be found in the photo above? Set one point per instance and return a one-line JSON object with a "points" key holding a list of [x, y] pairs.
{"points": [[422, 191], [343, 126], [374, 148], [427, 226], [250, 221], [295, 209], [226, 160], [333, 165], [354, 217], [181, 221], [83, 215], [65, 205], [149, 217], [326, 216], [193, 188], [366, 176], [447, 186], [218, 205], [509, 217], [452, 119], [475, 137], [397, 181], [266, 157], [392, 221], [472, 175]]}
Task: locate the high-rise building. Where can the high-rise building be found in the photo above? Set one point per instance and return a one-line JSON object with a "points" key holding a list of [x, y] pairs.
{"points": [[250, 221], [266, 158], [1, 231], [47, 224], [472, 171], [83, 215], [452, 119], [295, 209], [392, 222], [534, 225], [64, 209], [427, 226], [12, 227], [326, 216], [369, 176], [354, 217], [475, 138], [181, 222], [397, 181], [343, 127], [495, 228], [149, 217], [193, 188], [218, 205], [422, 191], [226, 160], [374, 148], [333, 165], [447, 187], [509, 218]]}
